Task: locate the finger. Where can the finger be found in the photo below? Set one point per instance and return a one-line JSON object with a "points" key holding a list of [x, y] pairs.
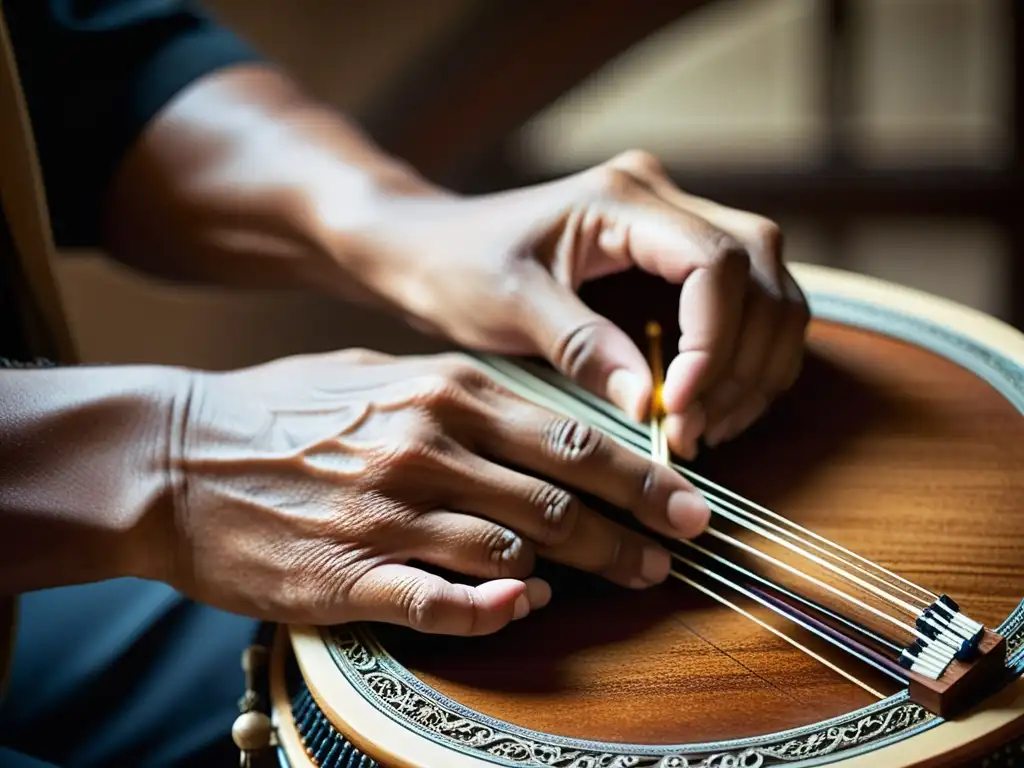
{"points": [[576, 455], [742, 380], [781, 368], [785, 361], [624, 557], [562, 527], [584, 346], [533, 508], [710, 313], [682, 430], [761, 237], [410, 597], [465, 543]]}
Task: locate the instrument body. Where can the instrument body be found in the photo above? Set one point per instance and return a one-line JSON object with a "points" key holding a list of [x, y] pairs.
{"points": [[902, 441]]}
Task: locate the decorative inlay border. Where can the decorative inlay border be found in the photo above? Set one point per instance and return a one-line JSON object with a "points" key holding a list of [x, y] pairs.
{"points": [[392, 689]]}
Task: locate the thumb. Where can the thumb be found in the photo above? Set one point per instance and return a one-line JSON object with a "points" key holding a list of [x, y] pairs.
{"points": [[425, 602], [586, 347]]}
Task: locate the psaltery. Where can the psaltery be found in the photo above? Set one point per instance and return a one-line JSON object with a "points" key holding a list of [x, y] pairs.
{"points": [[856, 598]]}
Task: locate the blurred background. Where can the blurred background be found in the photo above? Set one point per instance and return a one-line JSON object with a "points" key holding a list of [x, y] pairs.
{"points": [[881, 134]]}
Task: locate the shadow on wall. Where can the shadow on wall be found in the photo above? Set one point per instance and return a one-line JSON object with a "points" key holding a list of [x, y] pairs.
{"points": [[121, 317], [344, 52], [667, 95]]}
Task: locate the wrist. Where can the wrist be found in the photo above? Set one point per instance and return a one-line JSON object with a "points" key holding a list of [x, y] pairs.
{"points": [[356, 214], [85, 492]]}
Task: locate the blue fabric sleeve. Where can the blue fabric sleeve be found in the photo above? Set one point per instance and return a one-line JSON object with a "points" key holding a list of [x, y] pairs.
{"points": [[95, 72]]}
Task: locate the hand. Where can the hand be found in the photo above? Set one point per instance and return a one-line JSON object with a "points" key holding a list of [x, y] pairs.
{"points": [[306, 486], [499, 273]]}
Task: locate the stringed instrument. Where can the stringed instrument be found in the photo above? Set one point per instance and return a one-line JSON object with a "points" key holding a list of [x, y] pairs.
{"points": [[857, 598]]}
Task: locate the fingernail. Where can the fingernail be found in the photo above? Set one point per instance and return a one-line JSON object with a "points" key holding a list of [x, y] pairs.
{"points": [[521, 608], [655, 565], [538, 593], [688, 513], [625, 390]]}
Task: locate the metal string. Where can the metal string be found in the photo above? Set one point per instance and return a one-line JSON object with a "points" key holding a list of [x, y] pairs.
{"points": [[633, 439], [793, 596], [539, 388], [800, 646], [620, 422]]}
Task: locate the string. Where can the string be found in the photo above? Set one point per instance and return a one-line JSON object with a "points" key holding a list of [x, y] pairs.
{"points": [[913, 611], [624, 432], [793, 616], [791, 595], [614, 427], [619, 420], [660, 454], [817, 657], [817, 582], [812, 545]]}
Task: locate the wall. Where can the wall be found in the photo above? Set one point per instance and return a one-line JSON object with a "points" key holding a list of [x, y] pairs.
{"points": [[735, 85]]}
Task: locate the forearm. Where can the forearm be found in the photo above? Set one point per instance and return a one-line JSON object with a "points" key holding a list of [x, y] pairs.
{"points": [[84, 488], [245, 180]]}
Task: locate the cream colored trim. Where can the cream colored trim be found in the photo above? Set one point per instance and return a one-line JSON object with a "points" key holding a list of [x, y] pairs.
{"points": [[369, 729], [377, 734], [287, 735], [966, 321]]}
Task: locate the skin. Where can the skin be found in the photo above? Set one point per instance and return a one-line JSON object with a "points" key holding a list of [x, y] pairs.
{"points": [[311, 488]]}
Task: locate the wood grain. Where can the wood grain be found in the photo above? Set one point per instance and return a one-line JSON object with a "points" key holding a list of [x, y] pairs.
{"points": [[883, 447]]}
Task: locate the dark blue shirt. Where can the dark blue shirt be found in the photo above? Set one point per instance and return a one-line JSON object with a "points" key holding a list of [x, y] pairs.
{"points": [[95, 72]]}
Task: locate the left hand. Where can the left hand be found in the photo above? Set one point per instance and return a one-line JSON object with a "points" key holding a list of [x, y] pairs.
{"points": [[500, 272]]}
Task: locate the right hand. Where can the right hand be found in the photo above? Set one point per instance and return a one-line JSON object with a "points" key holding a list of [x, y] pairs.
{"points": [[304, 488]]}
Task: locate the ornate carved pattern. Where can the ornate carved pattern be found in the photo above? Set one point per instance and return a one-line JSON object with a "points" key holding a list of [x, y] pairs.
{"points": [[1013, 630], [396, 691], [393, 689]]}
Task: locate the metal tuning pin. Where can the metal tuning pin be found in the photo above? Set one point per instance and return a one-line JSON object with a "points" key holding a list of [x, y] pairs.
{"points": [[954, 661], [252, 732]]}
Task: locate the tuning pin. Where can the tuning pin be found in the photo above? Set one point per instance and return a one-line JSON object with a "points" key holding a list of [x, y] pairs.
{"points": [[251, 732]]}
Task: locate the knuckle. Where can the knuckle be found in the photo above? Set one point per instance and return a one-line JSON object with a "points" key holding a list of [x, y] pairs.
{"points": [[769, 237], [424, 605], [423, 445], [570, 441], [456, 366], [640, 162], [461, 373], [727, 254], [558, 510], [614, 182], [504, 552], [576, 351], [437, 390]]}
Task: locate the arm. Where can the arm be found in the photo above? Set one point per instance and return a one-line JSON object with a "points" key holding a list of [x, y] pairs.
{"points": [[245, 180], [168, 141], [83, 473], [215, 166]]}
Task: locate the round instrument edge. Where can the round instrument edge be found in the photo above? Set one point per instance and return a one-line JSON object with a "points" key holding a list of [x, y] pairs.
{"points": [[899, 312]]}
